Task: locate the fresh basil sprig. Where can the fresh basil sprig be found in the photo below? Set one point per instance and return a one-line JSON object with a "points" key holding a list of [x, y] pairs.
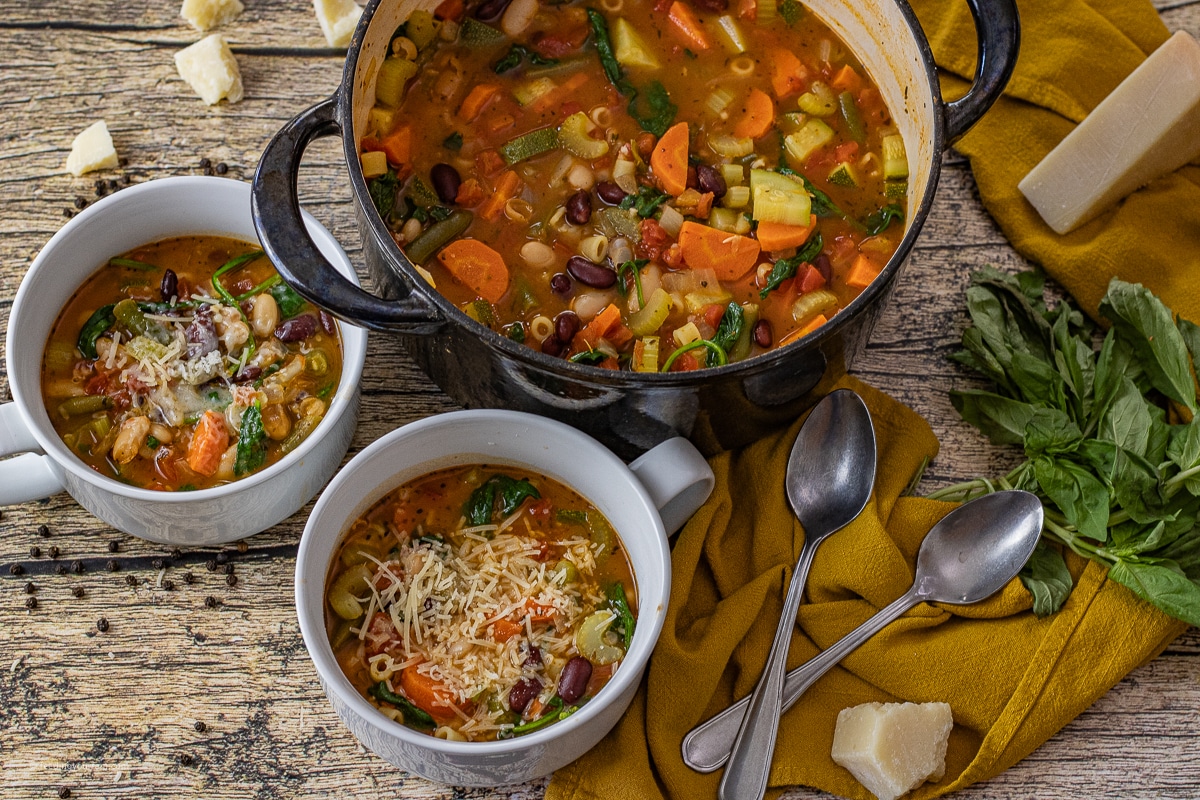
{"points": [[1111, 437]]}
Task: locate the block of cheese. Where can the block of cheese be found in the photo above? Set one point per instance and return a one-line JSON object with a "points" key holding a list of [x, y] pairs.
{"points": [[92, 149], [1149, 126], [206, 14], [210, 68], [338, 19], [892, 748]]}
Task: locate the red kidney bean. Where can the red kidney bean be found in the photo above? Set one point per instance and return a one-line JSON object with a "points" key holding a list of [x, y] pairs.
{"points": [[446, 181], [610, 193], [589, 274], [560, 284], [522, 692], [710, 180], [170, 286], [327, 322], [573, 680], [579, 208], [490, 9], [248, 373], [821, 262], [566, 325], [552, 347], [533, 658], [297, 328], [762, 333], [714, 6]]}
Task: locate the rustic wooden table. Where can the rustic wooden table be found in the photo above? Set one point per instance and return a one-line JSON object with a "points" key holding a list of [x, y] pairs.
{"points": [[180, 699]]}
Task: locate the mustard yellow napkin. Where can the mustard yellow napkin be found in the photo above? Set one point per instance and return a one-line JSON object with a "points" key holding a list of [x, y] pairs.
{"points": [[1012, 680]]}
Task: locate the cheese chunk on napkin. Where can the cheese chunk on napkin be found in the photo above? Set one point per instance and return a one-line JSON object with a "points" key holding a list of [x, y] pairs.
{"points": [[92, 149], [210, 68], [1147, 127], [892, 748]]}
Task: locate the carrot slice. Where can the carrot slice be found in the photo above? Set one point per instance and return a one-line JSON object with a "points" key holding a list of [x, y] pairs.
{"points": [[774, 236], [846, 80], [476, 266], [760, 115], [209, 441], [788, 74], [731, 256], [398, 145], [427, 694], [505, 629], [670, 158], [506, 188], [689, 27], [476, 99], [808, 327], [862, 272], [599, 327]]}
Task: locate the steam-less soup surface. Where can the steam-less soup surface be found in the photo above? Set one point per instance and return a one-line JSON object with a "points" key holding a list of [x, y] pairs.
{"points": [[632, 184], [478, 603], [188, 363]]}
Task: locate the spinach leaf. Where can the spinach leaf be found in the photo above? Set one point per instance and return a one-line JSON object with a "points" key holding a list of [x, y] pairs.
{"points": [[728, 330], [615, 594], [1047, 578], [252, 442], [383, 192], [645, 202], [608, 58], [499, 490], [453, 142], [513, 493], [785, 268], [478, 509], [518, 53], [589, 357], [413, 716], [100, 321], [290, 303], [877, 222], [632, 267], [652, 108]]}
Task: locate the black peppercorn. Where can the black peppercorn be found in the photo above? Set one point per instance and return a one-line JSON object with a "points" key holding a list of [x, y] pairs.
{"points": [[43, 531], [68, 213], [54, 551], [77, 591], [30, 587], [228, 569], [111, 565], [157, 563], [64, 792], [210, 602], [16, 569], [204, 162], [222, 557], [31, 602], [231, 580], [114, 546], [131, 580], [102, 625], [200, 727], [81, 202], [61, 569], [77, 567], [211, 565], [222, 168], [169, 585], [185, 759], [176, 553], [209, 171], [189, 578], [35, 552]]}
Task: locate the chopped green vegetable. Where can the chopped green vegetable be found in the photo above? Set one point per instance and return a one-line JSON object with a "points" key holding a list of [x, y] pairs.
{"points": [[554, 711], [516, 332], [652, 108], [791, 11], [590, 357], [289, 302], [785, 268], [850, 115], [713, 347], [128, 314], [252, 442], [100, 321], [604, 47], [413, 716], [436, 235], [728, 330], [1116, 477], [383, 192], [895, 160], [480, 34], [87, 404], [615, 594], [498, 493], [634, 268], [453, 142], [518, 53], [528, 145], [881, 219], [645, 202]]}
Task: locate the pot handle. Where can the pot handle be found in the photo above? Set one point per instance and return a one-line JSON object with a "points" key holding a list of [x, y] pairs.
{"points": [[276, 209], [998, 30]]}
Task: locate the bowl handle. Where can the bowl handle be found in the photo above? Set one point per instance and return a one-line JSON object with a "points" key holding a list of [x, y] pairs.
{"points": [[677, 478], [998, 30], [276, 208], [27, 477]]}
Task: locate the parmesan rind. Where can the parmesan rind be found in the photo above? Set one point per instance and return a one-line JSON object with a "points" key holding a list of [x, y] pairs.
{"points": [[1149, 126], [210, 68], [338, 19], [206, 14], [892, 748], [93, 149]]}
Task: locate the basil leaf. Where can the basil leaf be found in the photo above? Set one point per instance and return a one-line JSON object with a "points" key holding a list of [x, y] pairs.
{"points": [[786, 268], [1159, 584], [1142, 320], [290, 303], [877, 222], [728, 330], [100, 321], [252, 442], [383, 192], [1047, 578], [413, 716]]}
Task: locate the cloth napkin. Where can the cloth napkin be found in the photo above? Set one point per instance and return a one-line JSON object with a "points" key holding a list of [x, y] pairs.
{"points": [[1011, 679]]}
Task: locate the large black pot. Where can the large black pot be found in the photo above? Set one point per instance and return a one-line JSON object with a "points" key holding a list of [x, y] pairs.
{"points": [[630, 412]]}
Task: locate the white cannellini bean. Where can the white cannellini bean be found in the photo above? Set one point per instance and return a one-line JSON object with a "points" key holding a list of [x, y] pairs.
{"points": [[589, 304], [228, 459], [130, 439], [264, 316], [581, 177], [518, 16], [411, 229], [162, 433], [538, 255]]}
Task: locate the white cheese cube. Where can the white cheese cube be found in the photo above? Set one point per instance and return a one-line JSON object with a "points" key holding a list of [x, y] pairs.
{"points": [[338, 19], [206, 14], [1149, 126], [892, 748], [92, 149], [210, 68]]}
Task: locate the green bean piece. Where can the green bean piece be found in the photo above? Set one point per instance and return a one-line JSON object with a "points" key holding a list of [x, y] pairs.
{"points": [[128, 314], [413, 716], [317, 362], [854, 123], [87, 404], [437, 235]]}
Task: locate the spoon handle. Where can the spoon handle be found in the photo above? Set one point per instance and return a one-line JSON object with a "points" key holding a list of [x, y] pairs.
{"points": [[708, 745], [754, 745]]}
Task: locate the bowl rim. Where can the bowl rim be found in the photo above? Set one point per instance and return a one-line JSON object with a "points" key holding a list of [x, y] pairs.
{"points": [[311, 620], [353, 339]]}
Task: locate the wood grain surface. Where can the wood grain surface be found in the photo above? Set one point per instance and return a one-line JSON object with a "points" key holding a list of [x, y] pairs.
{"points": [[184, 696]]}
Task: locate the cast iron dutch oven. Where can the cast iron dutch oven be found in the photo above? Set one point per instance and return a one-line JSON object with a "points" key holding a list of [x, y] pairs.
{"points": [[628, 411]]}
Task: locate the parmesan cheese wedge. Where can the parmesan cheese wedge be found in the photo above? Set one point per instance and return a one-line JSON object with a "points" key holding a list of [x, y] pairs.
{"points": [[206, 14], [210, 68], [1149, 126], [338, 19], [93, 149], [892, 748]]}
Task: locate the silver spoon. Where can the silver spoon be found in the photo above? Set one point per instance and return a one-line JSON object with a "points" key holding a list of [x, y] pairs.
{"points": [[830, 474], [968, 556]]}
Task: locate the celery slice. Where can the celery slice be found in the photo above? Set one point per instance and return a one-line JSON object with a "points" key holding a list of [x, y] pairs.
{"points": [[647, 360], [808, 306], [731, 35], [389, 83], [652, 315], [814, 135], [574, 138], [421, 28]]}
